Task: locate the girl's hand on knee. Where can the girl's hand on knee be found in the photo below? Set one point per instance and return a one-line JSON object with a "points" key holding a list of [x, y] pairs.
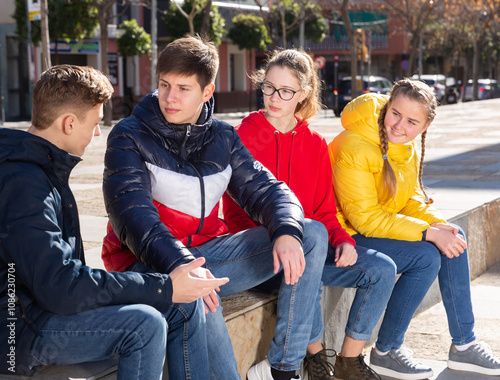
{"points": [[444, 226], [345, 255], [446, 241]]}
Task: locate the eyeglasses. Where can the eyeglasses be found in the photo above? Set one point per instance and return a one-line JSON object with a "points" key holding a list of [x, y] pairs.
{"points": [[284, 93]]}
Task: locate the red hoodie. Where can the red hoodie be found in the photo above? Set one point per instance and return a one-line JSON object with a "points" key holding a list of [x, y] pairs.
{"points": [[300, 159]]}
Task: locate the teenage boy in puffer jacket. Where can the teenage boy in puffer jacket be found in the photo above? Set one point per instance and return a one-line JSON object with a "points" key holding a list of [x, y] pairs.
{"points": [[53, 308], [166, 169]]}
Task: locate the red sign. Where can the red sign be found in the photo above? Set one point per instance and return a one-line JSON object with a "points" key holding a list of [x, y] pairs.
{"points": [[319, 62], [336, 58]]}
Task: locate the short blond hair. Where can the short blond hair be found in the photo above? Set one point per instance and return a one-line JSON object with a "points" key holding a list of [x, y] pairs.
{"points": [[68, 88]]}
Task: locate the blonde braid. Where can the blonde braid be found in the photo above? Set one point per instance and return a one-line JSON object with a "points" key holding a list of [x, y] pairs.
{"points": [[428, 200], [389, 178]]}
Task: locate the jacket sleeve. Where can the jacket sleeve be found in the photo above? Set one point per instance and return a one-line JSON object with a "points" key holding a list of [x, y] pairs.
{"points": [[264, 199], [325, 210], [357, 195], [235, 217], [417, 208], [31, 240], [129, 203]]}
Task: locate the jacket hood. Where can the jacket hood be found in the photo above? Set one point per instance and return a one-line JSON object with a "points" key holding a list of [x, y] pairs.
{"points": [[361, 116], [21, 146], [258, 120]]}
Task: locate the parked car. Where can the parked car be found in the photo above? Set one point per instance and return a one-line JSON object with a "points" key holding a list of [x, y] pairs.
{"points": [[437, 82], [372, 83], [487, 89]]}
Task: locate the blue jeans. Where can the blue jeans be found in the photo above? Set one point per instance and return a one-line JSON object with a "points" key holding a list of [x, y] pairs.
{"points": [[135, 332], [373, 276], [187, 356], [247, 259], [419, 262]]}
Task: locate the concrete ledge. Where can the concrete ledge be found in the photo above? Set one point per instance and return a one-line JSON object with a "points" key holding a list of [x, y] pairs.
{"points": [[101, 370], [251, 317]]}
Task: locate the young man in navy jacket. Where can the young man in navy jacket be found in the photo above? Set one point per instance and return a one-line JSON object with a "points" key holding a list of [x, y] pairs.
{"points": [[166, 169], [56, 310]]}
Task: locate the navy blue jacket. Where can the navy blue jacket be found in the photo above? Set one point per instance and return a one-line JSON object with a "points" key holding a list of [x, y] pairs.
{"points": [[42, 265], [163, 183]]}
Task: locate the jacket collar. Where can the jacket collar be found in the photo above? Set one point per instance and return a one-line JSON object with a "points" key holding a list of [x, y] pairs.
{"points": [[148, 110], [259, 121], [21, 146]]}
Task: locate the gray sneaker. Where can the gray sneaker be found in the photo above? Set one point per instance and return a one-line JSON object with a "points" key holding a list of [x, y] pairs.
{"points": [[477, 358], [399, 363]]}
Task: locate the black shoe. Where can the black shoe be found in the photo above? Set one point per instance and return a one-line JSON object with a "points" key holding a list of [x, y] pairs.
{"points": [[318, 366], [354, 369]]}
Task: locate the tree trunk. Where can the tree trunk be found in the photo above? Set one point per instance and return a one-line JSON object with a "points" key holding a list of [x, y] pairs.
{"points": [[413, 53], [191, 25], [352, 45], [205, 24], [108, 108], [283, 27], [475, 69], [44, 25]]}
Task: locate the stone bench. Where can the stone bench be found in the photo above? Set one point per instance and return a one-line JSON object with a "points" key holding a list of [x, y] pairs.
{"points": [[251, 316], [101, 370]]}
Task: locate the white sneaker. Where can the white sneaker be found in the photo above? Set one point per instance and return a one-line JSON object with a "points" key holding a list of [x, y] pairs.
{"points": [[262, 371]]}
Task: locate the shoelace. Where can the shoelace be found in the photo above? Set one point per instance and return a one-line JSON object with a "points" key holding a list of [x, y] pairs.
{"points": [[488, 352], [406, 355], [324, 367], [364, 368]]}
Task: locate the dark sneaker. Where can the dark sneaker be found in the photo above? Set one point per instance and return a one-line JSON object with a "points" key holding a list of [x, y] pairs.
{"points": [[399, 364], [477, 358], [353, 369], [318, 367]]}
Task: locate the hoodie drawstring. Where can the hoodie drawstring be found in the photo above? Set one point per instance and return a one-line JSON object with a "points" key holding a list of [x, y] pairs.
{"points": [[278, 151], [290, 161]]}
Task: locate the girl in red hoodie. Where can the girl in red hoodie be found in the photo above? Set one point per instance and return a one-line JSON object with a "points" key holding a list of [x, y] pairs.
{"points": [[281, 139]]}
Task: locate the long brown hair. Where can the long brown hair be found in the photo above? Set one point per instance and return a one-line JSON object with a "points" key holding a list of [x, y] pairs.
{"points": [[422, 93], [302, 66]]}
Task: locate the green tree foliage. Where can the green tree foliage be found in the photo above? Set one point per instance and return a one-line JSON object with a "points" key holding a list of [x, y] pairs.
{"points": [[68, 20], [249, 32], [285, 16], [315, 24], [134, 40], [178, 25]]}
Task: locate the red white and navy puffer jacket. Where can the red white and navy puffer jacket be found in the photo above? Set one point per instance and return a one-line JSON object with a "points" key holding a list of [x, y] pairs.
{"points": [[163, 183]]}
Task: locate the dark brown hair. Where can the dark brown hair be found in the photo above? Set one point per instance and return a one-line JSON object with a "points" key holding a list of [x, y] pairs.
{"points": [[190, 56], [422, 93], [68, 88], [302, 66]]}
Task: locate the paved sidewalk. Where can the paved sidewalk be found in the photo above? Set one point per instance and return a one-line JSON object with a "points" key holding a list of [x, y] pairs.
{"points": [[430, 328], [462, 170]]}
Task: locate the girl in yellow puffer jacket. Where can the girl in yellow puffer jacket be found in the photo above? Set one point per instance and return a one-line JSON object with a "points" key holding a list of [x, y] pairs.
{"points": [[377, 177]]}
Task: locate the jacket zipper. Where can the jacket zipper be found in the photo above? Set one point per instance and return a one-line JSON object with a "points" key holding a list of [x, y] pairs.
{"points": [[202, 216], [202, 184], [183, 145]]}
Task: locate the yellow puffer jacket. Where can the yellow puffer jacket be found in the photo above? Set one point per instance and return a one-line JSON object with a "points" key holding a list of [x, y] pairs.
{"points": [[357, 162]]}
